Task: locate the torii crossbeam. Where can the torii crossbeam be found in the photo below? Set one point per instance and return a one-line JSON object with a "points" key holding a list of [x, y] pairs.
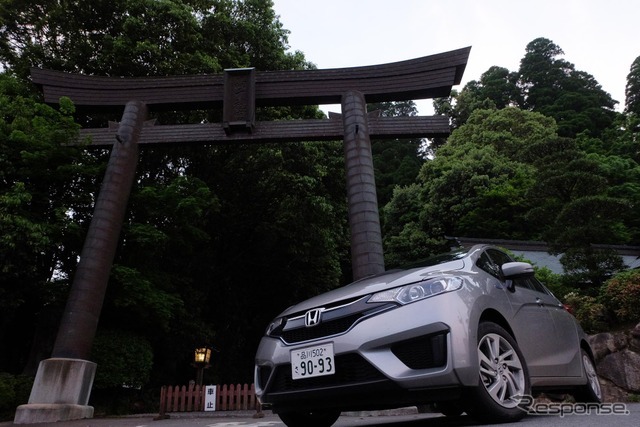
{"points": [[427, 77]]}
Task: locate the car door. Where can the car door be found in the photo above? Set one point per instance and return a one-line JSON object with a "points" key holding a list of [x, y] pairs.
{"points": [[567, 353], [531, 322]]}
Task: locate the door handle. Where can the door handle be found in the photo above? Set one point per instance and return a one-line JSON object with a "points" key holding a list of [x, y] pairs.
{"points": [[539, 302]]}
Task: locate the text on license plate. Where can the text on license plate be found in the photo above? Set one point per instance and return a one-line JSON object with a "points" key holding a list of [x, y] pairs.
{"points": [[312, 361]]}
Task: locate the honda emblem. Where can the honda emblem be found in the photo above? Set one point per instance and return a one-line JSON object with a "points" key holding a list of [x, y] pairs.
{"points": [[313, 317]]}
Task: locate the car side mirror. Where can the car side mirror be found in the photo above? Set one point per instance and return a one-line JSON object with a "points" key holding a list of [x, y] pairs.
{"points": [[516, 270]]}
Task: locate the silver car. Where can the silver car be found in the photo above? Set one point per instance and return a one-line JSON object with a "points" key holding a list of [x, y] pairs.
{"points": [[469, 331]]}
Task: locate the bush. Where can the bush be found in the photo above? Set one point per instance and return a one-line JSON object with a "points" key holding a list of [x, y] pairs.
{"points": [[621, 295], [7, 393], [123, 359], [14, 391], [124, 367], [591, 314], [124, 401], [556, 283]]}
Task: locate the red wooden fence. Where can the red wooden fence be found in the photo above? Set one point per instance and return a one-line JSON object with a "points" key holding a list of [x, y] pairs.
{"points": [[191, 398]]}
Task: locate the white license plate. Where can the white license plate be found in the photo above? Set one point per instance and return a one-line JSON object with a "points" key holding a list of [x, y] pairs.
{"points": [[312, 361]]}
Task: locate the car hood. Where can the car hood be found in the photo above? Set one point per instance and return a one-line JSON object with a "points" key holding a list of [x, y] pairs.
{"points": [[371, 285]]}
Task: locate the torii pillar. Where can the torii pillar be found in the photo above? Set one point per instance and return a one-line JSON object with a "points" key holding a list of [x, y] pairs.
{"points": [[63, 383], [364, 221]]}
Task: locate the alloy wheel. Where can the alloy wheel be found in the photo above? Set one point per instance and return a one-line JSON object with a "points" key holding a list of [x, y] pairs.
{"points": [[501, 370], [592, 376]]}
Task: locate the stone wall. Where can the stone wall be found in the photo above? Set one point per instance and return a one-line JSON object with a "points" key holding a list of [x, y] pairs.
{"points": [[617, 357]]}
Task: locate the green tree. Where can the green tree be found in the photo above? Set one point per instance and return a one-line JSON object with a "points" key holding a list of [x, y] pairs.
{"points": [[45, 187], [496, 89], [552, 86], [104, 37], [478, 194], [280, 236], [544, 83], [477, 183], [506, 174], [405, 238], [574, 205], [396, 162], [617, 162], [142, 37], [632, 89]]}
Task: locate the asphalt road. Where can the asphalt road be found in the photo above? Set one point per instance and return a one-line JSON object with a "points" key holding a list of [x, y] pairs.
{"points": [[631, 419]]}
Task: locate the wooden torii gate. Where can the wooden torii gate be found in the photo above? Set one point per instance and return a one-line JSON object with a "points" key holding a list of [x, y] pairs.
{"points": [[63, 382]]}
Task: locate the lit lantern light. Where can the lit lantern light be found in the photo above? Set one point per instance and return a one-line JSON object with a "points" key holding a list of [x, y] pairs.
{"points": [[201, 359], [202, 355]]}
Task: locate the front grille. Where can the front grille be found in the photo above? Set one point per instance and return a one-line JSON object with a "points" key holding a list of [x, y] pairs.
{"points": [[351, 368], [336, 318], [429, 351], [325, 329]]}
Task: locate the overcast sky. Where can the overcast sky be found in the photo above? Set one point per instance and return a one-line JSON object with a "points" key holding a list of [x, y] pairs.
{"points": [[601, 38]]}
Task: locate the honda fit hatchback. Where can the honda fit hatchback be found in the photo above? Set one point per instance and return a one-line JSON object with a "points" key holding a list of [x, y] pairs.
{"points": [[469, 331]]}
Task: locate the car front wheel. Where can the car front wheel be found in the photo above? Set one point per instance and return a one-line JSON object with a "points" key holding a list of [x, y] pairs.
{"points": [[309, 418], [504, 378]]}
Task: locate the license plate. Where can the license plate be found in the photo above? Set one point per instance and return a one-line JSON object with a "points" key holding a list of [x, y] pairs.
{"points": [[312, 361]]}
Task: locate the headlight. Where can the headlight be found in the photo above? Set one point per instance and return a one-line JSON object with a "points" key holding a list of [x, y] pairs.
{"points": [[418, 291]]}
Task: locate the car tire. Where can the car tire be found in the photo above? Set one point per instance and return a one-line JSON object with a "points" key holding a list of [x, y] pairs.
{"points": [[309, 418], [504, 377], [591, 392]]}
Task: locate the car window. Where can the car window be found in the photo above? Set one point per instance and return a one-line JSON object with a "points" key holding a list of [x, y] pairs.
{"points": [[530, 283], [491, 260], [485, 263], [499, 257]]}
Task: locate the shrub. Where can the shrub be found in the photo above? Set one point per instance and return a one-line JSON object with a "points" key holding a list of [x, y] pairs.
{"points": [[621, 295], [14, 391], [124, 360], [7, 393], [124, 367], [555, 282], [591, 314]]}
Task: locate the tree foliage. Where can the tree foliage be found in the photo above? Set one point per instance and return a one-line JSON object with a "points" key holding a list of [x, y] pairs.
{"points": [[45, 189], [632, 89], [496, 89], [476, 178], [544, 83], [507, 174], [397, 162], [553, 87], [142, 37], [585, 176]]}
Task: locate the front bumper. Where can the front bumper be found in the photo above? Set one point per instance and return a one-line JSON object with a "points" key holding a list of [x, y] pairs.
{"points": [[407, 355]]}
